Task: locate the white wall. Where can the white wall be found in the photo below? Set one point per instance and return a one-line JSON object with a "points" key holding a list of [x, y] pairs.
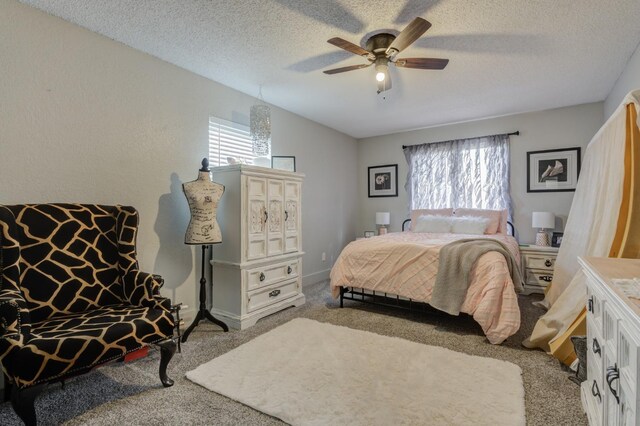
{"points": [[87, 119], [557, 128], [629, 80]]}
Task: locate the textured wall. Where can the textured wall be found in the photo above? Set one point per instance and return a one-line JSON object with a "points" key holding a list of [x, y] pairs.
{"points": [[87, 119], [550, 129], [629, 80]]}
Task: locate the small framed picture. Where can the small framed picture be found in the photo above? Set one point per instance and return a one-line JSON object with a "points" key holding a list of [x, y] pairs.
{"points": [[383, 181], [556, 239], [553, 170], [369, 234], [284, 162]]}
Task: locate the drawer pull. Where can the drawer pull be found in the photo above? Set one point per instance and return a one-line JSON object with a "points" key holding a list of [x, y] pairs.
{"points": [[266, 216], [286, 215], [289, 269], [590, 304], [596, 347], [546, 278], [613, 374], [595, 391], [274, 293], [548, 263], [262, 277]]}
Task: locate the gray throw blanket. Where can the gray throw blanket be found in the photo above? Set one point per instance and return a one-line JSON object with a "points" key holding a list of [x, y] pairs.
{"points": [[456, 260]]}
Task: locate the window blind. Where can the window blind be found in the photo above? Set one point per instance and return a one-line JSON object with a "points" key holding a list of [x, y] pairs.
{"points": [[228, 139]]}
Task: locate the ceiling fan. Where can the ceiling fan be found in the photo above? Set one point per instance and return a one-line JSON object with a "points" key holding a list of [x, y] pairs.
{"points": [[381, 49]]}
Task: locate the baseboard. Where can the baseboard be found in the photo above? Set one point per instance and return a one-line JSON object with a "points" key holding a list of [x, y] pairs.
{"points": [[315, 277]]}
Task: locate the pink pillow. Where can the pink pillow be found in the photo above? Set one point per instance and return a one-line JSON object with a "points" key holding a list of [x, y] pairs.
{"points": [[495, 219], [415, 214]]}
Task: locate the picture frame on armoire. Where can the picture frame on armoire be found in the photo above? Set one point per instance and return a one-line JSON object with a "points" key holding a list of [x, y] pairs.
{"points": [[283, 162], [383, 181]]}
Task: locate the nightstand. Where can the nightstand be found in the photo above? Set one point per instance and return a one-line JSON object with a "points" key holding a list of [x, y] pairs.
{"points": [[537, 264]]}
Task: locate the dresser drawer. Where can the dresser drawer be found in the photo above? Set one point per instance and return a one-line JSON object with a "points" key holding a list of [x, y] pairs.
{"points": [[595, 346], [269, 295], [595, 303], [538, 277], [627, 353], [594, 391], [264, 276], [540, 261]]}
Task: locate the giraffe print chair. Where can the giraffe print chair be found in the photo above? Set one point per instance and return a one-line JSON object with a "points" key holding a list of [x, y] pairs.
{"points": [[72, 296]]}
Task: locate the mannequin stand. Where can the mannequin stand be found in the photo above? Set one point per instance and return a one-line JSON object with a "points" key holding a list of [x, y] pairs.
{"points": [[203, 313]]}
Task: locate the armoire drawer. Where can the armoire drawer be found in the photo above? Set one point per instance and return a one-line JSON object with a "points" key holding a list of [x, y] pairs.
{"points": [[272, 274], [269, 295]]}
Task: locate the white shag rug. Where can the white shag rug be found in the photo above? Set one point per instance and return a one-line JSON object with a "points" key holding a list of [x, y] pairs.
{"points": [[310, 373]]}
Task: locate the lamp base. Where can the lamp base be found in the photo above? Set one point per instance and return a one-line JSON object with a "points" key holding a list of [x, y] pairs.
{"points": [[542, 238], [382, 230]]}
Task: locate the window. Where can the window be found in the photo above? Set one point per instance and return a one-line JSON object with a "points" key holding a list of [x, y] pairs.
{"points": [[228, 139], [466, 173]]}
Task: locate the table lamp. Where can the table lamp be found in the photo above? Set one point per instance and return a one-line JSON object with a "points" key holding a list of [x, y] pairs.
{"points": [[382, 220], [542, 221]]}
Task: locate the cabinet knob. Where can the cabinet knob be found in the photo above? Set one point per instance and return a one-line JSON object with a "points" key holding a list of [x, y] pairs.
{"points": [[262, 277], [548, 263], [289, 269], [596, 347], [613, 374], [274, 293], [595, 391]]}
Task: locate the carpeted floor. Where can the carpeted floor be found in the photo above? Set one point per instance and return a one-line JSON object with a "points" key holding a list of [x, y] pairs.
{"points": [[132, 394]]}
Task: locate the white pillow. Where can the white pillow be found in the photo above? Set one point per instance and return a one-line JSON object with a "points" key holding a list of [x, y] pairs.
{"points": [[432, 223], [469, 225]]}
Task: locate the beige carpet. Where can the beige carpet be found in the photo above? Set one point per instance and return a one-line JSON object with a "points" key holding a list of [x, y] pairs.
{"points": [[313, 373]]}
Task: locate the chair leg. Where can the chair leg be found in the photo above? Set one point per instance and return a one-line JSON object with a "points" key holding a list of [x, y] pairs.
{"points": [[167, 350], [22, 401], [6, 397]]}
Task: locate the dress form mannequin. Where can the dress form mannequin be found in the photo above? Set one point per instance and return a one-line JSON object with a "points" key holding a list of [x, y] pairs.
{"points": [[203, 196]]}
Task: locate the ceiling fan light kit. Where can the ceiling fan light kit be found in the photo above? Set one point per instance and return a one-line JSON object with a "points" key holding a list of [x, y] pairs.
{"points": [[382, 48]]}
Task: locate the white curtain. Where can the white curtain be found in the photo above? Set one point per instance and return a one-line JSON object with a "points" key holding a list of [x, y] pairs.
{"points": [[590, 227], [464, 173]]}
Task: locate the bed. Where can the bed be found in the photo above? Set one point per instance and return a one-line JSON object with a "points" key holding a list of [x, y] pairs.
{"points": [[404, 265]]}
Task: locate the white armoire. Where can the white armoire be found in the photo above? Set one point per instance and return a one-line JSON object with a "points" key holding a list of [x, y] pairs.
{"points": [[257, 267]]}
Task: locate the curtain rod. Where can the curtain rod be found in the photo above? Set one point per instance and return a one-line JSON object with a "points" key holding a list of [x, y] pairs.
{"points": [[516, 133]]}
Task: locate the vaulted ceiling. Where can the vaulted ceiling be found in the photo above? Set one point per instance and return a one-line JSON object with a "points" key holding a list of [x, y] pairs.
{"points": [[506, 56]]}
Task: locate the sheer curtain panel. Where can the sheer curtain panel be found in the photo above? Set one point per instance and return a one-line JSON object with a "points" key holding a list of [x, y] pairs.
{"points": [[464, 173]]}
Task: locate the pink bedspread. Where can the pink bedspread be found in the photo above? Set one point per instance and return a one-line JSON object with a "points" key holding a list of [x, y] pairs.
{"points": [[406, 264]]}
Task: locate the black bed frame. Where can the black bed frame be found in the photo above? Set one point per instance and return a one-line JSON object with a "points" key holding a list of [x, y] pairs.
{"points": [[389, 300]]}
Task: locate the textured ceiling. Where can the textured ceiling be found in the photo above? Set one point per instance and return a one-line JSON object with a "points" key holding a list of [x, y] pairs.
{"points": [[506, 56]]}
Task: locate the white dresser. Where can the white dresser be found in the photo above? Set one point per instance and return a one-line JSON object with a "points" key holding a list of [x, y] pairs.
{"points": [[609, 395], [257, 267]]}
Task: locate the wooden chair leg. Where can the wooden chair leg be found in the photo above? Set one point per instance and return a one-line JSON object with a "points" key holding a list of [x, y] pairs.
{"points": [[23, 400], [167, 350], [6, 397]]}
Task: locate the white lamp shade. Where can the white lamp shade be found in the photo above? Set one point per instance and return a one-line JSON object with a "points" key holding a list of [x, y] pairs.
{"points": [[383, 218], [546, 220]]}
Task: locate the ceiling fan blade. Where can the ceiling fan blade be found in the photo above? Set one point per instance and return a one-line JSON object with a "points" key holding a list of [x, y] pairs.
{"points": [[348, 46], [411, 33], [345, 69], [422, 63]]}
